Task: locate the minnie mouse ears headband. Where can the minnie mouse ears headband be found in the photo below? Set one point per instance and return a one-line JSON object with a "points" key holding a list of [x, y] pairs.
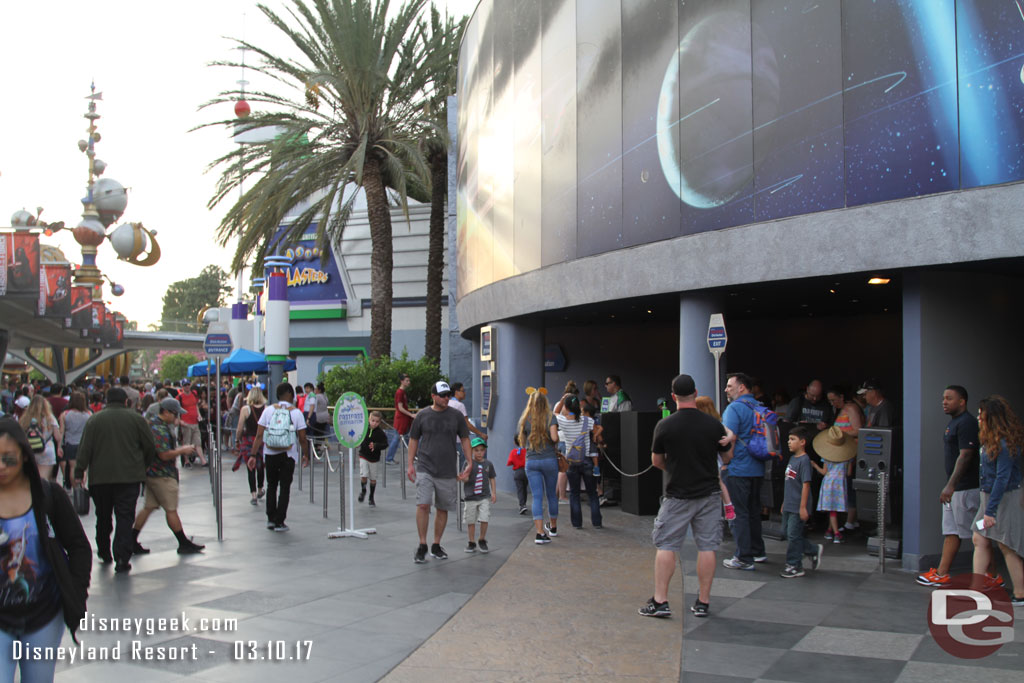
{"points": [[530, 391]]}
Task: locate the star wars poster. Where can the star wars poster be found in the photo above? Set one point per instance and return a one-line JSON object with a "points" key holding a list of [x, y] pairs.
{"points": [[19, 253], [80, 316], [55, 291]]}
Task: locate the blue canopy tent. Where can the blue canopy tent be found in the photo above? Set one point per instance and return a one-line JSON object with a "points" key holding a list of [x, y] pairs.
{"points": [[238, 362]]}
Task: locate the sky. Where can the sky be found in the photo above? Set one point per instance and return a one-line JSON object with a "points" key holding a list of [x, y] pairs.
{"points": [[151, 62]]}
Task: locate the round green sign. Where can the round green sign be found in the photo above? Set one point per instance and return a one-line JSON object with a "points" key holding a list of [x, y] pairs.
{"points": [[350, 419]]}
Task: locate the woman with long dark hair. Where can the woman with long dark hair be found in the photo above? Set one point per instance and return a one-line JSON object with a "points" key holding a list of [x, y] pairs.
{"points": [[1001, 513], [538, 433], [45, 556], [574, 430]]}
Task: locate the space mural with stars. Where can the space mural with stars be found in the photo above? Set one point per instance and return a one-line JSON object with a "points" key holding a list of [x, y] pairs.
{"points": [[587, 126]]}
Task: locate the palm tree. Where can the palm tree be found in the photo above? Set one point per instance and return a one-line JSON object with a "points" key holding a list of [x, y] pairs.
{"points": [[351, 118], [442, 73]]}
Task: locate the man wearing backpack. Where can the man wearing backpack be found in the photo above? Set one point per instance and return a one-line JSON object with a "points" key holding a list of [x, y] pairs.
{"points": [[280, 432], [745, 475]]}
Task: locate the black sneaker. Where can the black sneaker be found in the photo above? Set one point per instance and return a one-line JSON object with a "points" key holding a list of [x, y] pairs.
{"points": [[139, 550], [552, 530], [542, 539], [122, 567], [523, 510], [700, 609], [105, 559], [1016, 602], [421, 555], [437, 552], [190, 548], [816, 557], [791, 572], [655, 609], [281, 527], [362, 496], [483, 546], [372, 504], [271, 525], [471, 548]]}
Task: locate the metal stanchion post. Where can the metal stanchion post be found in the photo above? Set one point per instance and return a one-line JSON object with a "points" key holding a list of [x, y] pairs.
{"points": [[881, 520], [327, 468], [301, 475], [220, 465], [312, 459], [341, 491], [405, 465], [384, 469]]}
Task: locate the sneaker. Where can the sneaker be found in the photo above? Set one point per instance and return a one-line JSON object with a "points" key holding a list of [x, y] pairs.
{"points": [[372, 504], [828, 534], [933, 578], [850, 529], [483, 546], [655, 609], [122, 568], [1016, 602], [730, 512], [261, 493], [421, 554], [542, 539], [735, 563], [362, 496], [791, 572], [281, 527], [139, 550], [271, 525], [598, 526], [190, 548], [838, 538], [552, 531], [994, 581], [760, 558], [699, 609], [437, 552], [253, 502], [816, 557], [471, 548], [523, 510]]}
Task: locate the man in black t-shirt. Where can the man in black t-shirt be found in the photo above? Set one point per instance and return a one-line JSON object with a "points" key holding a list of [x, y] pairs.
{"points": [[960, 497], [811, 407], [687, 445]]}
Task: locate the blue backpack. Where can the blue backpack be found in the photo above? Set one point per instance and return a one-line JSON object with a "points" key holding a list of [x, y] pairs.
{"points": [[763, 441]]}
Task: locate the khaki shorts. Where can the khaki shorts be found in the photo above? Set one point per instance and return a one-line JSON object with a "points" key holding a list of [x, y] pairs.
{"points": [[190, 436], [957, 519], [478, 511], [441, 493], [701, 515], [161, 492], [368, 470]]}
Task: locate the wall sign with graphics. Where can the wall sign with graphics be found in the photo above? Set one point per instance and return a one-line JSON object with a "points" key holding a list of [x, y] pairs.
{"points": [[487, 344], [350, 419], [308, 280]]}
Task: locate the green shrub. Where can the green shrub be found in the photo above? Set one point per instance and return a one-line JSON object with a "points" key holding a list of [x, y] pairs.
{"points": [[175, 366], [375, 379]]}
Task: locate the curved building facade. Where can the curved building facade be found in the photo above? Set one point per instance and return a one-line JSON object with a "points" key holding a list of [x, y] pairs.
{"points": [[625, 168]]}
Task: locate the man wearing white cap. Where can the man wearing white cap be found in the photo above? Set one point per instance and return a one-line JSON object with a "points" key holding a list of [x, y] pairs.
{"points": [[433, 466]]}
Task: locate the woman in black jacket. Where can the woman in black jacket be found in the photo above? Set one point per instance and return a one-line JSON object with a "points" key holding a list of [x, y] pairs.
{"points": [[45, 559]]}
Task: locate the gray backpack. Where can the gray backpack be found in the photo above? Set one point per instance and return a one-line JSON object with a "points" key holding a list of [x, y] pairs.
{"points": [[280, 432]]}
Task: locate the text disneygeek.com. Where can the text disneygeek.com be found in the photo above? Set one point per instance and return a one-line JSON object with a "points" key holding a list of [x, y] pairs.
{"points": [[138, 650]]}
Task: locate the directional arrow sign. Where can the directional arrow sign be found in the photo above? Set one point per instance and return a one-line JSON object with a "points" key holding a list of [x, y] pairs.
{"points": [[350, 420], [717, 337]]}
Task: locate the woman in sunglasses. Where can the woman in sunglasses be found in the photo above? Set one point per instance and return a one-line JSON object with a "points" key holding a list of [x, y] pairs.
{"points": [[45, 560]]}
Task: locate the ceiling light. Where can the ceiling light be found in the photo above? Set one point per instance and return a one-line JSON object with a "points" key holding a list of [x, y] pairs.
{"points": [[878, 281]]}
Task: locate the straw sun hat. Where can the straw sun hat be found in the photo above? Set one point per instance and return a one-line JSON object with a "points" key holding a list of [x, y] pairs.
{"points": [[835, 445]]}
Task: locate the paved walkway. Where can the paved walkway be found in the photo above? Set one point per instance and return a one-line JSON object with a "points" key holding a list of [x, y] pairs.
{"points": [[364, 611]]}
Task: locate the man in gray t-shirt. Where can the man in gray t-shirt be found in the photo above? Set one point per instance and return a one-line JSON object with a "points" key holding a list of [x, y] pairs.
{"points": [[433, 466]]}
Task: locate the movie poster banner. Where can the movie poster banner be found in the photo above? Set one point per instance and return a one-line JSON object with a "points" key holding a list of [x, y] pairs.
{"points": [[54, 290], [19, 263], [81, 309]]}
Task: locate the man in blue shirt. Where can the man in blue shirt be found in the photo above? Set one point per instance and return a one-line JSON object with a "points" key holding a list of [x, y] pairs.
{"points": [[745, 475]]}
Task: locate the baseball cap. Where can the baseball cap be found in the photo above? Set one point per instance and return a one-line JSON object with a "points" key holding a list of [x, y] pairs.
{"points": [[870, 384], [683, 385], [184, 383], [441, 388], [23, 402], [172, 406], [477, 441]]}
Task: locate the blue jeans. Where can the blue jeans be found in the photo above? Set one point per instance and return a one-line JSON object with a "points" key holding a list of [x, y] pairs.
{"points": [[583, 471], [32, 670], [393, 440], [746, 500], [543, 477], [798, 544]]}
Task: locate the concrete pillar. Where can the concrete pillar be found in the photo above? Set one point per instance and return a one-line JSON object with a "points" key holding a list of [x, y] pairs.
{"points": [[694, 358], [915, 475], [520, 363]]}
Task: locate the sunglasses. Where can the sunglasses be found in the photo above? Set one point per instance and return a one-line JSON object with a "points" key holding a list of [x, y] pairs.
{"points": [[445, 394], [10, 460]]}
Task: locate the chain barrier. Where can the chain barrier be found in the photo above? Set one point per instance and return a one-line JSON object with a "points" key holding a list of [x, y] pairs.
{"points": [[609, 461]]}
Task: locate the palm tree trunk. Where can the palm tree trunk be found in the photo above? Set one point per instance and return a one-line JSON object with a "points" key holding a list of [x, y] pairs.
{"points": [[435, 252], [381, 259]]}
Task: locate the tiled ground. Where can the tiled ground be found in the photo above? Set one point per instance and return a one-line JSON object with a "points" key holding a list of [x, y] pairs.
{"points": [[557, 612]]}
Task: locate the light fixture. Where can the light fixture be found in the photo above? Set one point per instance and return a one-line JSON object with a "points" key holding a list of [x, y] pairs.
{"points": [[878, 281]]}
